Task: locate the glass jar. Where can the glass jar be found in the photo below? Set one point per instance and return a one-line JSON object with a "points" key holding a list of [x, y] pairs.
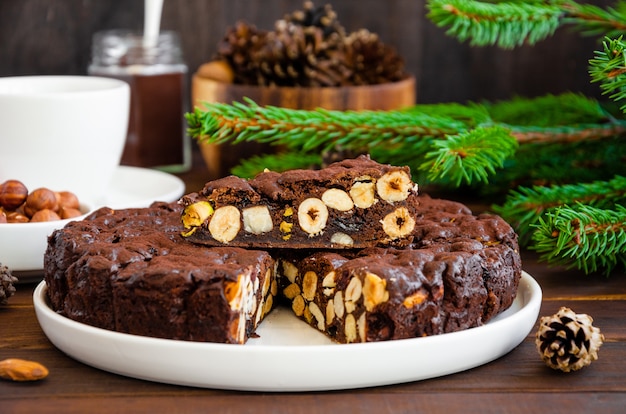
{"points": [[157, 76]]}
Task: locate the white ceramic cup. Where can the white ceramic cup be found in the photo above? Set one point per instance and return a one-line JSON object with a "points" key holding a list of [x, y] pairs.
{"points": [[66, 133]]}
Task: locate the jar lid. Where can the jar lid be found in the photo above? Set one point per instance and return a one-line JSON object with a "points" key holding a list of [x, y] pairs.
{"points": [[126, 48]]}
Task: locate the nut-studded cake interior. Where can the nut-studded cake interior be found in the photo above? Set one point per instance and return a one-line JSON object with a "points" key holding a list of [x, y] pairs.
{"points": [[350, 204]]}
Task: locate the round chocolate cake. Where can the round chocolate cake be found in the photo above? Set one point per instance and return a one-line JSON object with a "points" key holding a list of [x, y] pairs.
{"points": [[149, 272]]}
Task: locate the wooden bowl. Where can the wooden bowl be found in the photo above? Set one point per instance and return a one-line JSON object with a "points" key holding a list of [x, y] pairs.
{"points": [[220, 158]]}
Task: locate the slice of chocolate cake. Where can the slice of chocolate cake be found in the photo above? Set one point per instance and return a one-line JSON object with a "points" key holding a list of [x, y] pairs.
{"points": [[354, 203], [379, 295]]}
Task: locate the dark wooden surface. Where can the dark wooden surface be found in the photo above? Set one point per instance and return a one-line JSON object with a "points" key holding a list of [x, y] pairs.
{"points": [[54, 37], [519, 382]]}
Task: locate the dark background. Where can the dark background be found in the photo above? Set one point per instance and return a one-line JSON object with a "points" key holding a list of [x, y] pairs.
{"points": [[54, 37]]}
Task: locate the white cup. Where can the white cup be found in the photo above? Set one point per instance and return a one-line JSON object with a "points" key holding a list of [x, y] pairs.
{"points": [[66, 133]]}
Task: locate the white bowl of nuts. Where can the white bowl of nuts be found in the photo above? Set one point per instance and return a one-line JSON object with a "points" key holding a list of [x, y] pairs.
{"points": [[27, 218]]}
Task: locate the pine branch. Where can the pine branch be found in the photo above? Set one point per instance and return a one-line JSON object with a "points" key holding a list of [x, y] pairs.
{"points": [[548, 111], [321, 129], [581, 236], [429, 138], [505, 24], [592, 20], [471, 156], [524, 206], [423, 135], [609, 69]]}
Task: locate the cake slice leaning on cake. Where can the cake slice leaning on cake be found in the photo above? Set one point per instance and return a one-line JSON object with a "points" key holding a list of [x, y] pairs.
{"points": [[354, 203]]}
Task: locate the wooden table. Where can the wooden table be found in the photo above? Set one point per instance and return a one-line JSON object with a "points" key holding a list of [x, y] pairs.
{"points": [[517, 382]]}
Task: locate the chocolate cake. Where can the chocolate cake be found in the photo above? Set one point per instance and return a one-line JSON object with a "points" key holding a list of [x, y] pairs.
{"points": [[354, 203], [162, 272], [130, 271]]}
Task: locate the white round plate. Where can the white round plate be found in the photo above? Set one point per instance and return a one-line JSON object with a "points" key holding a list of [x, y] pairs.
{"points": [[290, 355], [133, 187], [22, 246]]}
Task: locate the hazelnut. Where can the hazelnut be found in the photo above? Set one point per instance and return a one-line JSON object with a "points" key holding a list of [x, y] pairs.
{"points": [[17, 217], [44, 215], [12, 194], [67, 199], [40, 199], [68, 212]]}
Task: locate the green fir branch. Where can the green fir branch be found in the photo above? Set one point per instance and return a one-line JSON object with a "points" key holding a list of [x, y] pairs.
{"points": [[563, 163], [424, 136], [320, 129], [608, 68], [505, 24], [581, 236], [548, 111], [470, 156], [524, 206], [428, 138], [592, 20]]}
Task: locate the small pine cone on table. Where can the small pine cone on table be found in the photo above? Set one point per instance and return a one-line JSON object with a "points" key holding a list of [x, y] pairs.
{"points": [[6, 284], [568, 341]]}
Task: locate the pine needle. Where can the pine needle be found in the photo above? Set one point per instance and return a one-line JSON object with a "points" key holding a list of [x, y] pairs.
{"points": [[471, 156], [608, 68], [505, 24], [582, 236], [524, 206]]}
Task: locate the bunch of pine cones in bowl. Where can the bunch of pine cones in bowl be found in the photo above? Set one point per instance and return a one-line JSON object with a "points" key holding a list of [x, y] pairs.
{"points": [[307, 48]]}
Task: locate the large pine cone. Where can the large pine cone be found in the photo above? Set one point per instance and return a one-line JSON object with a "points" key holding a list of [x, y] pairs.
{"points": [[238, 48], [371, 61], [296, 55]]}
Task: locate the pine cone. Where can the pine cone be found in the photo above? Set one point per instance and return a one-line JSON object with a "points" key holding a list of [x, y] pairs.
{"points": [[372, 62], [238, 48], [301, 56], [568, 341], [323, 17], [6, 284]]}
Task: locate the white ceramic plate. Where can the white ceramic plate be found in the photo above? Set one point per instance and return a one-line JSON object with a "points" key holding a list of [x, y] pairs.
{"points": [[138, 187], [22, 246], [289, 355]]}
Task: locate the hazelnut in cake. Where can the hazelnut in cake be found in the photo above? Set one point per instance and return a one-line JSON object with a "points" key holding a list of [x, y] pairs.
{"points": [[354, 203], [130, 271]]}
